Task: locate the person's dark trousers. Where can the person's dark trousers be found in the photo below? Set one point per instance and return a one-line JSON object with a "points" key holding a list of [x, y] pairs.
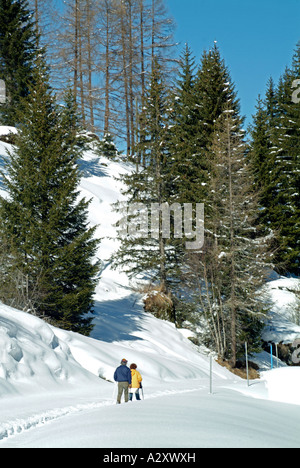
{"points": [[137, 395]]}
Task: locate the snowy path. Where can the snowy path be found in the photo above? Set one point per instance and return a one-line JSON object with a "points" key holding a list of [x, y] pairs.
{"points": [[165, 419], [42, 415], [17, 426]]}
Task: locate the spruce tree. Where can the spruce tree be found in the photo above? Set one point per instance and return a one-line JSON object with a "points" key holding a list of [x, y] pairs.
{"points": [[222, 277], [18, 52], [262, 156], [146, 251], [44, 223], [189, 165], [275, 154], [215, 90], [286, 210], [241, 245], [271, 104], [225, 275], [107, 148], [198, 99]]}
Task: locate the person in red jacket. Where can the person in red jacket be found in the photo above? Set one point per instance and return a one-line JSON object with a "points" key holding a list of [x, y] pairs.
{"points": [[136, 380]]}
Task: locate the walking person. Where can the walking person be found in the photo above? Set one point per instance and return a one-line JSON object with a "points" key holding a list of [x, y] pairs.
{"points": [[122, 375], [136, 380]]}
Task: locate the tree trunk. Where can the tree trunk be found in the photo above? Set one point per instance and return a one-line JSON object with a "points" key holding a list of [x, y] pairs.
{"points": [[125, 76]]}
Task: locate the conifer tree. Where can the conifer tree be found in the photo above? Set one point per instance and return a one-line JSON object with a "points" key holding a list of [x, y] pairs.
{"points": [[262, 155], [221, 277], [275, 154], [198, 102], [215, 91], [227, 272], [18, 52], [42, 220], [271, 103], [286, 200], [107, 147], [189, 166], [241, 246], [150, 184]]}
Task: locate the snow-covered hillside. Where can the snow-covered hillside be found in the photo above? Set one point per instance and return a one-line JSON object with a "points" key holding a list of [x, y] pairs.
{"points": [[57, 389]]}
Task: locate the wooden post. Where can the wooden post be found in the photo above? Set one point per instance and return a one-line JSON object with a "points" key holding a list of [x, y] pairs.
{"points": [[247, 366], [271, 351], [210, 376]]}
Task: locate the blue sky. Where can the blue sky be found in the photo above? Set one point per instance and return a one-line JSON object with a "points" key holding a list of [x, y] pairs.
{"points": [[257, 38]]}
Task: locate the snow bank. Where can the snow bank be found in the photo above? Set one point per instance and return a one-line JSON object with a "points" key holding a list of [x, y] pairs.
{"points": [[32, 357], [6, 130], [283, 384], [281, 326], [280, 293], [35, 355]]}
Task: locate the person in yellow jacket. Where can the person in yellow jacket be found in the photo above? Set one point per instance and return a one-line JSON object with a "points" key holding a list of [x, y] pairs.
{"points": [[136, 380]]}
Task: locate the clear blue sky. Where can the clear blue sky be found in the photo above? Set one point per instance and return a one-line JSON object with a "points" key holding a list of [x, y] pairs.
{"points": [[257, 38]]}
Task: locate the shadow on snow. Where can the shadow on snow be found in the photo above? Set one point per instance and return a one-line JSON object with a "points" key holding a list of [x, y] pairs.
{"points": [[117, 320]]}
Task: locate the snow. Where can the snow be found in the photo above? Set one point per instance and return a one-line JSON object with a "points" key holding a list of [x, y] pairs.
{"points": [[282, 327], [57, 389], [6, 130]]}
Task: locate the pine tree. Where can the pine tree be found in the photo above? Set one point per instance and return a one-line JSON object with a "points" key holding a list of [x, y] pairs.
{"points": [[241, 246], [230, 268], [271, 103], [149, 185], [107, 147], [189, 166], [215, 91], [286, 212], [275, 154], [262, 155], [45, 225], [18, 51], [208, 95]]}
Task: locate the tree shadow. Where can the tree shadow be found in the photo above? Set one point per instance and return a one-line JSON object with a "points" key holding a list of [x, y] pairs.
{"points": [[92, 168], [3, 167], [117, 320]]}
